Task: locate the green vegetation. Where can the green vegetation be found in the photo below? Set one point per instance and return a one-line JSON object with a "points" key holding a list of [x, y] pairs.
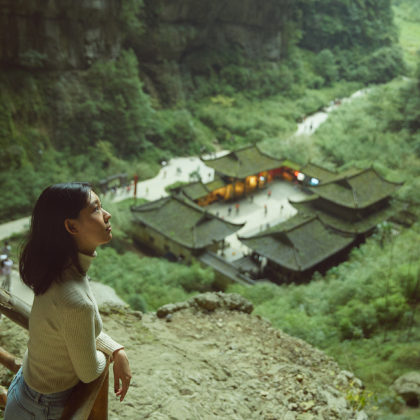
{"points": [[407, 19], [148, 283]]}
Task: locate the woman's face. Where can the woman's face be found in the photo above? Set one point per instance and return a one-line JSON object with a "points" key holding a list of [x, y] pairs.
{"points": [[92, 228]]}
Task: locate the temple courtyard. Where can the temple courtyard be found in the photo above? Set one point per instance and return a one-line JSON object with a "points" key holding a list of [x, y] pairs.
{"points": [[253, 213]]}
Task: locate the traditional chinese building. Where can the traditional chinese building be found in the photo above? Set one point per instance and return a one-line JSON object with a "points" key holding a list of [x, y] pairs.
{"points": [[314, 174], [245, 170], [180, 230], [355, 202], [176, 227], [204, 194], [297, 248]]}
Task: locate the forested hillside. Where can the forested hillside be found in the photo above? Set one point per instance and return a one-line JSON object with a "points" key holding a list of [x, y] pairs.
{"points": [[89, 91]]}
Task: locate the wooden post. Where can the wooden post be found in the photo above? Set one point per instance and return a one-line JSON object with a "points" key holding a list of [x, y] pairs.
{"points": [[100, 408], [89, 401]]}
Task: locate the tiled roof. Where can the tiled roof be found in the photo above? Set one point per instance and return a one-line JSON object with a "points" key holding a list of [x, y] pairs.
{"points": [[195, 190], [315, 171], [299, 243], [244, 162], [356, 191], [216, 183], [184, 222], [308, 207]]}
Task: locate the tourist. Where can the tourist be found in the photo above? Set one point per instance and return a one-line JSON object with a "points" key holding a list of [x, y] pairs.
{"points": [[229, 210], [6, 249], [67, 344], [269, 193], [164, 174], [281, 209], [7, 272], [237, 208], [251, 198], [265, 210]]}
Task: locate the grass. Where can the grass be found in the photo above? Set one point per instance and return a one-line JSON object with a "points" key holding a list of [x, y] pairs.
{"points": [[409, 39]]}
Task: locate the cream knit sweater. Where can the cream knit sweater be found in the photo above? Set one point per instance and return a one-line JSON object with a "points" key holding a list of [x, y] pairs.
{"points": [[65, 335]]}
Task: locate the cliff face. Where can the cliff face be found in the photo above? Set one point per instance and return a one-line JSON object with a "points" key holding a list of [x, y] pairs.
{"points": [[58, 34], [178, 40], [183, 38], [175, 29]]}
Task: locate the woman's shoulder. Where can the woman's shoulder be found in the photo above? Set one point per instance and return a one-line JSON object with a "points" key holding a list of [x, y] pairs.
{"points": [[69, 293]]}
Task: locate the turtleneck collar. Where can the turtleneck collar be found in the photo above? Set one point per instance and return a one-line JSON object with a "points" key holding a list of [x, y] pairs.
{"points": [[86, 260]]}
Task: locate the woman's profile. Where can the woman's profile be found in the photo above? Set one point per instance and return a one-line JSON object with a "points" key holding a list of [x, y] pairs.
{"points": [[66, 342]]}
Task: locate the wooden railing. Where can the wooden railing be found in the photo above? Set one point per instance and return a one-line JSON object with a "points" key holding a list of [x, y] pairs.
{"points": [[87, 401]]}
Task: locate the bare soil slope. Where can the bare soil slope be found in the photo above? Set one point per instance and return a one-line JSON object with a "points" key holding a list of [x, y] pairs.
{"points": [[209, 359]]}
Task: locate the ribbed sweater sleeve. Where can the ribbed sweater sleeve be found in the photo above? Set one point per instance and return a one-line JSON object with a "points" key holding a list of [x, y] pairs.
{"points": [[79, 335], [106, 344]]}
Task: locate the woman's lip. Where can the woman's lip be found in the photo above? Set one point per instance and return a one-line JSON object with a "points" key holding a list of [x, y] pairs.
{"points": [[109, 229]]}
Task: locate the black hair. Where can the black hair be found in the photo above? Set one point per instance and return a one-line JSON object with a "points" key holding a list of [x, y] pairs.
{"points": [[49, 249], [6, 242]]}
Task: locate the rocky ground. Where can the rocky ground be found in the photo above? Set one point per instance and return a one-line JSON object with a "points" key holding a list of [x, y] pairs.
{"points": [[209, 359]]}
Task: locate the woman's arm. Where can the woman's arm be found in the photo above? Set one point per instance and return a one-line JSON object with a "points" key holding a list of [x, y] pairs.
{"points": [[79, 335], [106, 344]]}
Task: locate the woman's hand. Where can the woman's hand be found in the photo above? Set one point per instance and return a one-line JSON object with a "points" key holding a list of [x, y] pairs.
{"points": [[121, 372]]}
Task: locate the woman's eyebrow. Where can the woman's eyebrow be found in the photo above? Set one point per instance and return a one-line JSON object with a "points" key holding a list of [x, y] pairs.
{"points": [[94, 203]]}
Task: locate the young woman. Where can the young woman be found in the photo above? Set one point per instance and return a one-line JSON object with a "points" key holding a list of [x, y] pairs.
{"points": [[66, 342]]}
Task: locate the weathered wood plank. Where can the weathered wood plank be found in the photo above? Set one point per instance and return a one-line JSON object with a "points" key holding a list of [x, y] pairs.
{"points": [[8, 360], [84, 397], [15, 309]]}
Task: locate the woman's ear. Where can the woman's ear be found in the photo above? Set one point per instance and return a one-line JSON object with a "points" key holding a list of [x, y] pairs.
{"points": [[70, 226]]}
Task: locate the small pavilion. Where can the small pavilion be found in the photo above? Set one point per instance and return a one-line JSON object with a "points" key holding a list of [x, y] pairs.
{"points": [[178, 228], [355, 202], [297, 248]]}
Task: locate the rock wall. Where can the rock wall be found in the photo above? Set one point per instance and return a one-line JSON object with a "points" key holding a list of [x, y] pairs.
{"points": [[180, 35], [176, 43], [58, 34]]}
